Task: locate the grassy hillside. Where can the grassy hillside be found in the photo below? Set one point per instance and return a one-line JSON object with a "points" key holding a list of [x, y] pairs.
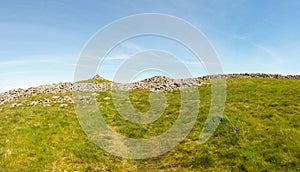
{"points": [[260, 131]]}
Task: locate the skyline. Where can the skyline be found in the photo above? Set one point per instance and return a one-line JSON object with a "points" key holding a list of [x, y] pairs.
{"points": [[41, 41]]}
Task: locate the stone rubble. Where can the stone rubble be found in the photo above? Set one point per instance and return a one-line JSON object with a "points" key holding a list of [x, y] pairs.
{"points": [[157, 83], [59, 88], [33, 103], [16, 105], [46, 102], [251, 75], [63, 105], [106, 98]]}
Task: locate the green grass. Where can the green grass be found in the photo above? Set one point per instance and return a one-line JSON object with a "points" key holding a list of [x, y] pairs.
{"points": [[259, 132]]}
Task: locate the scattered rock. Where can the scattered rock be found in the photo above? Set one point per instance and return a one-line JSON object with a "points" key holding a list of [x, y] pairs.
{"points": [[46, 100], [106, 98], [84, 98], [55, 97], [95, 94], [8, 152], [60, 100], [16, 105], [63, 105], [68, 99], [34, 103]]}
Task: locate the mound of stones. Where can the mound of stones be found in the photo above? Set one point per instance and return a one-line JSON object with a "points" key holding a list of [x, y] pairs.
{"points": [[59, 88], [157, 83], [251, 75]]}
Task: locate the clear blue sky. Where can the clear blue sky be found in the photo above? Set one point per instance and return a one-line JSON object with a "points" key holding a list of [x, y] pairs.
{"points": [[40, 41]]}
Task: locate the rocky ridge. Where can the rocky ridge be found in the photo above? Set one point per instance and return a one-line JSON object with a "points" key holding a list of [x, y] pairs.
{"points": [[59, 88], [157, 83], [251, 75]]}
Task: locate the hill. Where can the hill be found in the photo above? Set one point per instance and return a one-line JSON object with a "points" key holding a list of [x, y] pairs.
{"points": [[259, 131]]}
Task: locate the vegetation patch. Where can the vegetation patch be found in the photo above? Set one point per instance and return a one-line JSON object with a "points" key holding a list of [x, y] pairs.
{"points": [[259, 131]]}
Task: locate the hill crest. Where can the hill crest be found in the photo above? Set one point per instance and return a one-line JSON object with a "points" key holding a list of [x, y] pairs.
{"points": [[156, 83]]}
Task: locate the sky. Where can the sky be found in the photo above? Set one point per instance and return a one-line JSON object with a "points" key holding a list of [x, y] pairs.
{"points": [[41, 41]]}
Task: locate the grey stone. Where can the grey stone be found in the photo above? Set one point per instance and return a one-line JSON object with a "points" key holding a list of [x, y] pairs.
{"points": [[34, 103], [63, 105], [154, 84]]}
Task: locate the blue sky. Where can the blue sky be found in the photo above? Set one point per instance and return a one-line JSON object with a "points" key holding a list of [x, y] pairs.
{"points": [[41, 40]]}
